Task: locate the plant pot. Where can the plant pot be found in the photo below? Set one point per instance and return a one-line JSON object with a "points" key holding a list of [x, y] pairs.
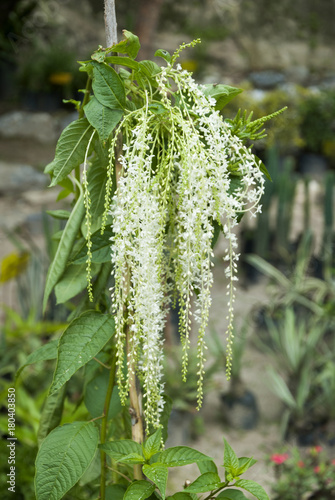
{"points": [[179, 428], [322, 495], [240, 411]]}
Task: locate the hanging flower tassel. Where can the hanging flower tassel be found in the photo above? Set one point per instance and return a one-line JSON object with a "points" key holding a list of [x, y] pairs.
{"points": [[182, 170]]}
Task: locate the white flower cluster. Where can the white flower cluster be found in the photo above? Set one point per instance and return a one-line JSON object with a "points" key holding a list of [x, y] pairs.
{"points": [[182, 172]]}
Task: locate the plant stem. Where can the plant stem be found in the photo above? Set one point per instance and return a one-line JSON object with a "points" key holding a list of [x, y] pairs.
{"points": [[103, 434], [214, 492], [86, 96]]}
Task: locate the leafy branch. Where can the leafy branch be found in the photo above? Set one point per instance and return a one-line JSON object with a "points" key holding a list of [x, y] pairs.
{"points": [[245, 128]]}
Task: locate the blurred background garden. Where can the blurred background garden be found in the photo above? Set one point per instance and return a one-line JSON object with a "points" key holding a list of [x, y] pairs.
{"points": [[280, 403]]}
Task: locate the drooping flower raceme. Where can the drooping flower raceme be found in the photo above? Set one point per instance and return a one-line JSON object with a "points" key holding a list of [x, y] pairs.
{"points": [[181, 172]]}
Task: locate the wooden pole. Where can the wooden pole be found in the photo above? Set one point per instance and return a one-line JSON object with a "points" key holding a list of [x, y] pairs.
{"points": [[110, 23], [134, 391]]}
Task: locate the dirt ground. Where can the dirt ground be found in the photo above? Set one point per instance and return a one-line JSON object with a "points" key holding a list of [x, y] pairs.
{"points": [[17, 206]]}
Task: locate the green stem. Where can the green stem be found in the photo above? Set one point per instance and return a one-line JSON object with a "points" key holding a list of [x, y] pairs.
{"points": [[214, 492], [103, 434], [86, 96]]}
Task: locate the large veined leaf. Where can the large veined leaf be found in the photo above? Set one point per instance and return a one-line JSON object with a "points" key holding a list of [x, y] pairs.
{"points": [[64, 248], [80, 342], [221, 93], [230, 462], [139, 490], [103, 119], [206, 482], [158, 474], [253, 488], [108, 87], [70, 149], [207, 466], [153, 444], [44, 353], [51, 413], [63, 457], [180, 455], [72, 282]]}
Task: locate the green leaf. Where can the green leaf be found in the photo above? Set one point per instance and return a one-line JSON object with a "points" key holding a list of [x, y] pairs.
{"points": [[122, 61], [206, 482], [181, 455], [280, 387], [130, 45], [72, 282], [96, 179], [181, 496], [93, 472], [164, 54], [145, 74], [244, 463], [217, 231], [64, 248], [207, 466], [230, 494], [221, 93], [132, 459], [101, 248], [80, 342], [70, 150], [103, 119], [153, 444], [230, 459], [158, 474], [115, 492], [157, 108], [263, 169], [253, 488], [44, 353], [67, 184], [149, 68], [59, 214], [139, 490], [121, 449], [95, 395], [64, 456], [51, 413], [108, 87]]}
